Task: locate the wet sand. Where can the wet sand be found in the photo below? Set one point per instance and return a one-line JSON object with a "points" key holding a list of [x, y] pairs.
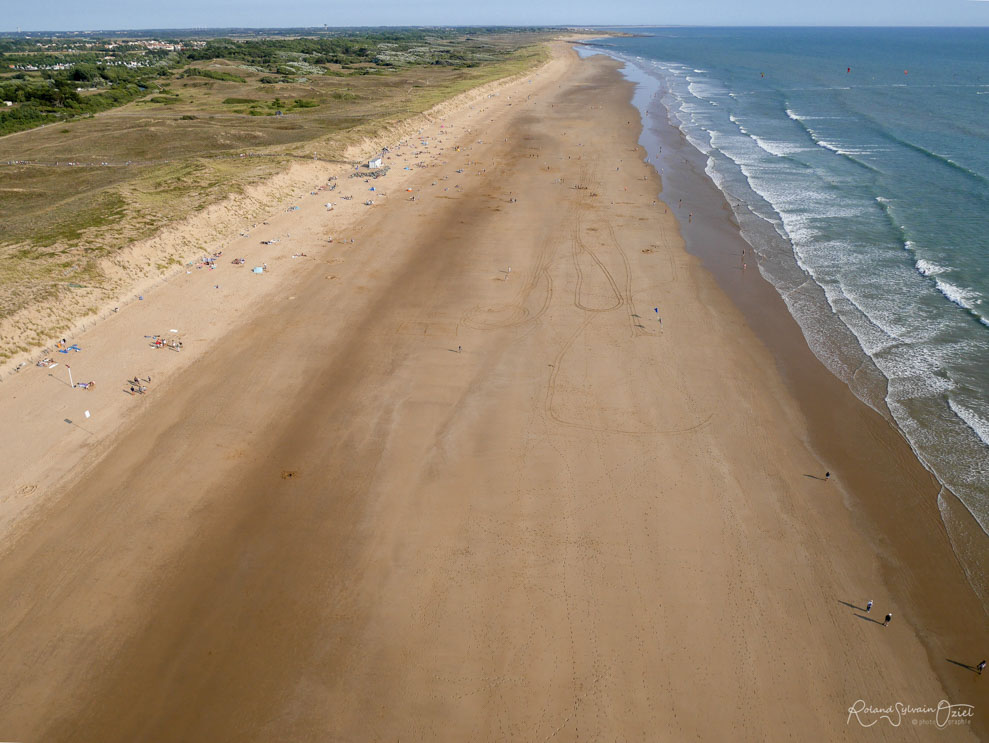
{"points": [[892, 497], [432, 498]]}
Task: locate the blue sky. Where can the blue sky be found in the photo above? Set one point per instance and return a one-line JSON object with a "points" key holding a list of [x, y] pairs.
{"points": [[63, 15]]}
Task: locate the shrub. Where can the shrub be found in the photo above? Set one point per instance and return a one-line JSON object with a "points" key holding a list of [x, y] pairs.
{"points": [[213, 75]]}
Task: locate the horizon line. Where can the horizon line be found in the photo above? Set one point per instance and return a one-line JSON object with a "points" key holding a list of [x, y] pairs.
{"points": [[534, 26]]}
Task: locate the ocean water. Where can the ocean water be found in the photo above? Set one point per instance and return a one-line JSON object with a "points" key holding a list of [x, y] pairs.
{"points": [[856, 162]]}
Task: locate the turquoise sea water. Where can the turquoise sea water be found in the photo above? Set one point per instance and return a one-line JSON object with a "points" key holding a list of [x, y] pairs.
{"points": [[857, 164]]}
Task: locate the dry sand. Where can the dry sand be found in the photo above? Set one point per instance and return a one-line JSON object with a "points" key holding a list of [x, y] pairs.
{"points": [[405, 494]]}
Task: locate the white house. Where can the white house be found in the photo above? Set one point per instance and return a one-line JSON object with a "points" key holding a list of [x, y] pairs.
{"points": [[375, 163]]}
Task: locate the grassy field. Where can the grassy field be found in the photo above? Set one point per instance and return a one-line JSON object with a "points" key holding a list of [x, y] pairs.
{"points": [[73, 193]]}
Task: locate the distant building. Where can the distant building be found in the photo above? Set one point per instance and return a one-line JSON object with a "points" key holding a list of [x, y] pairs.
{"points": [[375, 163]]}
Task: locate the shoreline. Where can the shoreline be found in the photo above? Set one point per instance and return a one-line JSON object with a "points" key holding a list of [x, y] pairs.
{"points": [[869, 456], [950, 450], [413, 491]]}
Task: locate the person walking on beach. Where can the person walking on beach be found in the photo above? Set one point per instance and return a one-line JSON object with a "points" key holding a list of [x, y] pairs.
{"points": [[889, 618], [460, 349], [868, 606], [827, 476], [981, 667]]}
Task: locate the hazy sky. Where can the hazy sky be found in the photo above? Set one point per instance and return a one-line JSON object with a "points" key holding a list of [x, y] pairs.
{"points": [[61, 15]]}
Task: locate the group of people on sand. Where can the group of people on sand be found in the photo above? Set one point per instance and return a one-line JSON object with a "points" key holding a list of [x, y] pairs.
{"points": [[868, 606], [158, 341], [136, 386], [209, 261]]}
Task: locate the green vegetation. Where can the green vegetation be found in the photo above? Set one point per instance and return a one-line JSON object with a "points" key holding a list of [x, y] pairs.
{"points": [[71, 223], [213, 75], [63, 77], [43, 100]]}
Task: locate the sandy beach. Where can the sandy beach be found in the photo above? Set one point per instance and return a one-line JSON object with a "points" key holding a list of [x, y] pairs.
{"points": [[501, 461]]}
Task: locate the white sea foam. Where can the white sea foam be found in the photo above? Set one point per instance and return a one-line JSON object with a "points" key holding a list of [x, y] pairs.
{"points": [[775, 147], [878, 328], [868, 287], [978, 423], [837, 148], [827, 144], [929, 268], [801, 117], [961, 296], [700, 90]]}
